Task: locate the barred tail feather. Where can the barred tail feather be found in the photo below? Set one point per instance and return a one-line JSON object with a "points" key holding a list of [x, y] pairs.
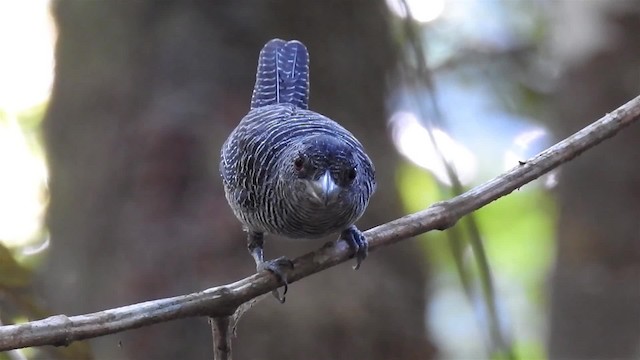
{"points": [[283, 75]]}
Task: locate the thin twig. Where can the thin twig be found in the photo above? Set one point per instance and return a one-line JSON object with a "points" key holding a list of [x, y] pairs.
{"points": [[223, 328], [221, 331], [223, 300]]}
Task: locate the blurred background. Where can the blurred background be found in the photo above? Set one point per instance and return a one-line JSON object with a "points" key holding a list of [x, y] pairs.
{"points": [[109, 191]]}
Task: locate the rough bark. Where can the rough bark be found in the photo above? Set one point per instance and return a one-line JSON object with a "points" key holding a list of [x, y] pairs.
{"points": [[595, 303], [145, 94]]}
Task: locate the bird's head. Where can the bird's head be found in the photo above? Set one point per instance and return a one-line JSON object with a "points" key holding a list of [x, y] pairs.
{"points": [[326, 171]]}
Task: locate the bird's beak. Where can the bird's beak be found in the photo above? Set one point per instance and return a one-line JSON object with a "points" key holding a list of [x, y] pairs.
{"points": [[324, 189]]}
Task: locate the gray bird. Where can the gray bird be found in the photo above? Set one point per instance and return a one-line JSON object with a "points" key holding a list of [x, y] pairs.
{"points": [[290, 171]]}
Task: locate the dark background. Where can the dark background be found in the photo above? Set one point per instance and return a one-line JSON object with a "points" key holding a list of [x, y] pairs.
{"points": [[146, 94], [146, 91]]}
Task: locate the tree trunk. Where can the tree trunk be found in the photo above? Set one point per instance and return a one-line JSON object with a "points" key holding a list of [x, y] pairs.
{"points": [[145, 94], [595, 304]]}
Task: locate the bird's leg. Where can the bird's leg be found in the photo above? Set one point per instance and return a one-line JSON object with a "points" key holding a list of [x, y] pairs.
{"points": [[255, 243], [357, 242]]}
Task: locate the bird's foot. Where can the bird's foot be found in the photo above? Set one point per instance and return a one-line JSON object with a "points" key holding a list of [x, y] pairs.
{"points": [[358, 243], [278, 267]]}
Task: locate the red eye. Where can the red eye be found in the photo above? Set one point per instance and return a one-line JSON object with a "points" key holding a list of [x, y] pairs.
{"points": [[298, 164]]}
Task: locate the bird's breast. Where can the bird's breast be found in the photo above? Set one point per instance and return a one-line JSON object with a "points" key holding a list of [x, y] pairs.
{"points": [[308, 219]]}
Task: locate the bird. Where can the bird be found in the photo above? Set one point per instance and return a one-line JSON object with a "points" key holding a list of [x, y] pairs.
{"points": [[290, 171]]}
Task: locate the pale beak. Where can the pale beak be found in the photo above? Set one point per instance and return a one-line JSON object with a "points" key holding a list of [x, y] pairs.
{"points": [[324, 189]]}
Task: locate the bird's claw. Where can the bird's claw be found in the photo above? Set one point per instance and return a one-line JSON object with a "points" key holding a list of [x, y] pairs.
{"points": [[358, 243], [278, 267]]}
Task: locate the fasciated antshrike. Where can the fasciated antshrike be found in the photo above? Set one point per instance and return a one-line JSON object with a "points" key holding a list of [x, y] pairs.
{"points": [[290, 171]]}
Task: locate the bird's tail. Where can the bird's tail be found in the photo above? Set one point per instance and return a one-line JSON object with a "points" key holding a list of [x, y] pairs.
{"points": [[283, 75]]}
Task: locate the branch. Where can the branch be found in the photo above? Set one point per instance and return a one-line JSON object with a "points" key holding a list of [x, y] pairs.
{"points": [[221, 330], [222, 301]]}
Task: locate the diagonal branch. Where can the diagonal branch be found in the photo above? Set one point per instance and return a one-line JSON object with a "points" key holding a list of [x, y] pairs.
{"points": [[221, 301]]}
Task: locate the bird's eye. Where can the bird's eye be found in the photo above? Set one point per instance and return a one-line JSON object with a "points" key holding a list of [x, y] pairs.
{"points": [[298, 163], [351, 174]]}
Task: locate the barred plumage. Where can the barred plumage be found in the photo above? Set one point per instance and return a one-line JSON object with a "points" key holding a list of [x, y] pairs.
{"points": [[283, 75], [288, 170]]}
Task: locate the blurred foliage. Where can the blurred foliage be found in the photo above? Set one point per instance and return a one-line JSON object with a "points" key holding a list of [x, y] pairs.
{"points": [[17, 301], [12, 275], [518, 229], [28, 123], [483, 79], [30, 120], [518, 233]]}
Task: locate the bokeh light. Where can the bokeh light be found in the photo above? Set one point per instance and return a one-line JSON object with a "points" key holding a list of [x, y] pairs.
{"points": [[413, 141], [26, 41], [26, 68], [421, 10]]}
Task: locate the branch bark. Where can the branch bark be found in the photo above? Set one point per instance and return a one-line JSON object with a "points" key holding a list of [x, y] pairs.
{"points": [[222, 301], [221, 331]]}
